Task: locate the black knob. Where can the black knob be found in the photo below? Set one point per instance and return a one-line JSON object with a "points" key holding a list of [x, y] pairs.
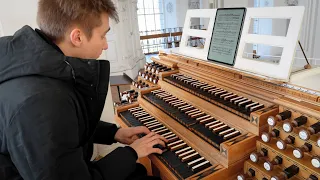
{"points": [[291, 171], [312, 177]]}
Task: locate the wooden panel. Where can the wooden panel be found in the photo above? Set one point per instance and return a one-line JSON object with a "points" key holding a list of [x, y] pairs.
{"points": [[163, 62], [269, 88]]}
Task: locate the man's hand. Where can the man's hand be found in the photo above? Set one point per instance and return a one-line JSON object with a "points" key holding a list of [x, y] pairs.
{"points": [[129, 135], [144, 146]]}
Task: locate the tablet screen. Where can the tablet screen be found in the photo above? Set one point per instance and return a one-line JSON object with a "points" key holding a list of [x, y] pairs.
{"points": [[226, 35]]}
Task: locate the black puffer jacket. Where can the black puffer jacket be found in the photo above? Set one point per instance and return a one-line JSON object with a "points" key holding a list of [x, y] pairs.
{"points": [[50, 108]]}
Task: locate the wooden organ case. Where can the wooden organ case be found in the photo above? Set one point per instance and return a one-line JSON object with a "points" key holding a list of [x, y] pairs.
{"points": [[222, 124]]}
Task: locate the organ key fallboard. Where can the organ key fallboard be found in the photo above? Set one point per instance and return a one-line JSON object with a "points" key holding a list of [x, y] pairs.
{"points": [[222, 124]]}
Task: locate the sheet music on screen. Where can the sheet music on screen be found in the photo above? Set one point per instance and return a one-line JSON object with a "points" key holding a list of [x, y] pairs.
{"points": [[226, 35]]}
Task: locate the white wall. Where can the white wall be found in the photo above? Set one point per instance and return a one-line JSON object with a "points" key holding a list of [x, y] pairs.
{"points": [[16, 13], [170, 18]]}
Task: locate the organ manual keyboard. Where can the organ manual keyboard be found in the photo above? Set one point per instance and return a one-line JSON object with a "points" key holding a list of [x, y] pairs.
{"points": [[223, 123]]}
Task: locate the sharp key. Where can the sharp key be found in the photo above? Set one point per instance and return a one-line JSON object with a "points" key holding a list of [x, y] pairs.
{"points": [[175, 102], [200, 166], [200, 85], [243, 103], [170, 136], [254, 108], [231, 135], [191, 156], [225, 95], [164, 96], [235, 98], [141, 115], [162, 131], [167, 134], [182, 150], [179, 104], [146, 119], [134, 109], [175, 143], [173, 139], [150, 122], [174, 75], [202, 117], [184, 107], [181, 78], [194, 112], [227, 98], [204, 121], [208, 88], [212, 123], [159, 130], [194, 83], [212, 91], [157, 91], [251, 105], [197, 115], [138, 112], [186, 153], [216, 125], [192, 163], [220, 93], [168, 99], [190, 81], [221, 128], [236, 102], [154, 126], [179, 146], [205, 87], [187, 105], [190, 111], [226, 132]]}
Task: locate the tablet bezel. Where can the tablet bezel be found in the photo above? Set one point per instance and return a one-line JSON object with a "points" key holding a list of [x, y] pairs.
{"points": [[239, 36]]}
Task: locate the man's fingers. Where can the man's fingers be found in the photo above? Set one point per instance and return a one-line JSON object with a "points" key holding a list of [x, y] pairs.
{"points": [[140, 130], [158, 141], [155, 137], [163, 139], [134, 138], [148, 136], [156, 150]]}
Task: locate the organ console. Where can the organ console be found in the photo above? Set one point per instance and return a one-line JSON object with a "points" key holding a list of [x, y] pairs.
{"points": [[223, 124]]}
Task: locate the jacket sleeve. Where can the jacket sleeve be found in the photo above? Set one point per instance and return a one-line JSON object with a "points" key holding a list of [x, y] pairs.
{"points": [[43, 142], [104, 133]]}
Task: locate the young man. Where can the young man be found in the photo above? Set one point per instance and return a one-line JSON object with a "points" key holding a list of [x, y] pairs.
{"points": [[52, 93]]}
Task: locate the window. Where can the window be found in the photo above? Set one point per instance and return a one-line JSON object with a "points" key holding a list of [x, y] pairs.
{"points": [[151, 21]]}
